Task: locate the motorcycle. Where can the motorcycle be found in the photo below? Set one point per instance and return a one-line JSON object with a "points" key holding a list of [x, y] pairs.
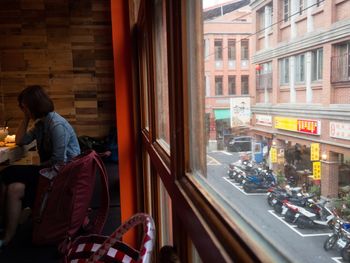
{"points": [[233, 172], [259, 183], [290, 211], [297, 199], [238, 169], [345, 243], [275, 193], [320, 217], [340, 236]]}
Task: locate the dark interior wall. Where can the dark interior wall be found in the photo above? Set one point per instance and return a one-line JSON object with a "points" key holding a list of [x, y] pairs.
{"points": [[65, 46]]}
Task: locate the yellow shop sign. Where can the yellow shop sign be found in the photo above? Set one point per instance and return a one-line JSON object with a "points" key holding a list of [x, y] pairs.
{"points": [[316, 169], [315, 152], [298, 125], [273, 155]]}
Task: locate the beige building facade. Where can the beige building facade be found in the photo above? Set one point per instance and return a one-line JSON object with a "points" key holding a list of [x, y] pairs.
{"points": [[227, 52], [301, 94]]}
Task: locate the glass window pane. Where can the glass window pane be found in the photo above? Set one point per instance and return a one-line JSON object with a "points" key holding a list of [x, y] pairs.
{"points": [[161, 75], [218, 49], [218, 85], [231, 49], [244, 49], [231, 85], [251, 146], [244, 85], [147, 183], [144, 79], [166, 232]]}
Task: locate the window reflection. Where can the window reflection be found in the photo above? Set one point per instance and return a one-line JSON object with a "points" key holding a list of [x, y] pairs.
{"points": [[278, 102], [161, 75]]}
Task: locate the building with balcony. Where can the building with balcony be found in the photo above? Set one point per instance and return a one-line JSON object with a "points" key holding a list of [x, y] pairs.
{"points": [[302, 88], [227, 68]]}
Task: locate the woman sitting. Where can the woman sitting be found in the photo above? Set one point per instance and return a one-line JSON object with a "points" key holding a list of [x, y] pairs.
{"points": [[56, 143]]}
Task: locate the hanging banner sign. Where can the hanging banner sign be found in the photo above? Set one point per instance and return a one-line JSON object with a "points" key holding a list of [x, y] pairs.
{"points": [[273, 155], [339, 130], [312, 127], [315, 152], [265, 120], [316, 170]]}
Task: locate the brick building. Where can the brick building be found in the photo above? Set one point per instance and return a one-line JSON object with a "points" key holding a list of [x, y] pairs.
{"points": [[302, 87], [227, 68]]}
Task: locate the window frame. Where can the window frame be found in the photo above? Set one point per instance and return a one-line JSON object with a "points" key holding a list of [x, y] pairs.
{"points": [[286, 10], [317, 64], [284, 71], [231, 49], [196, 217], [244, 49], [218, 49], [301, 6], [243, 77], [232, 87], [299, 68], [219, 82]]}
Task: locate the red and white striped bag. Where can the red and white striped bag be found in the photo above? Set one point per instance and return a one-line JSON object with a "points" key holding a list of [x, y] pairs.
{"points": [[99, 248]]}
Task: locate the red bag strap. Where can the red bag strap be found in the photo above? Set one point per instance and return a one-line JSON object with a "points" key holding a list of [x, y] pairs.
{"points": [[100, 219], [147, 241]]}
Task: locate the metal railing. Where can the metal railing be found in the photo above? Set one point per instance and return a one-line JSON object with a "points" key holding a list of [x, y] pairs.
{"points": [[340, 68], [264, 81]]}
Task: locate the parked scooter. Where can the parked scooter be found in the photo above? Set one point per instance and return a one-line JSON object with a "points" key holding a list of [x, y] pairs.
{"points": [[340, 236], [296, 199], [345, 252], [322, 217], [290, 210], [238, 169], [277, 192], [259, 183]]}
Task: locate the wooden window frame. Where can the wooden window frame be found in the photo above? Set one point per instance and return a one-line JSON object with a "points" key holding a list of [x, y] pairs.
{"points": [[197, 218]]}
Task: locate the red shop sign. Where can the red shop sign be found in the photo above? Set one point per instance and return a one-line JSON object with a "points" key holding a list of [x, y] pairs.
{"points": [[309, 126]]}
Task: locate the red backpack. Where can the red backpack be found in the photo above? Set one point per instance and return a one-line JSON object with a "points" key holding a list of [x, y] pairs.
{"points": [[61, 209]]}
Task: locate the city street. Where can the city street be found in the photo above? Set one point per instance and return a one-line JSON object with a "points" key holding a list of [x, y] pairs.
{"points": [[301, 245]]}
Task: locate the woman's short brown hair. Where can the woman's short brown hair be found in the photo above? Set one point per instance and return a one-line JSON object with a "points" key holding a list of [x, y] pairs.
{"points": [[37, 101]]}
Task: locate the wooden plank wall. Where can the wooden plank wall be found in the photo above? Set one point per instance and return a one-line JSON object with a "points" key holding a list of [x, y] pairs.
{"points": [[65, 46]]}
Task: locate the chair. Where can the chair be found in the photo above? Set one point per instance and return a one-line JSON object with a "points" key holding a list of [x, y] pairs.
{"points": [[98, 248]]}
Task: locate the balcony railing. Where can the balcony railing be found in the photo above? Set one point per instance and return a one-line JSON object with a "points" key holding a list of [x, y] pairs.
{"points": [[264, 81], [340, 68]]}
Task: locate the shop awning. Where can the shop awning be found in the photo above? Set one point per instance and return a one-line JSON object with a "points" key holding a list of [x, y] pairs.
{"points": [[221, 114]]}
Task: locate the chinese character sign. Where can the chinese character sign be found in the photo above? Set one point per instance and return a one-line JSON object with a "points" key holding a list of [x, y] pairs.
{"points": [[273, 155], [315, 152], [316, 169], [298, 125]]}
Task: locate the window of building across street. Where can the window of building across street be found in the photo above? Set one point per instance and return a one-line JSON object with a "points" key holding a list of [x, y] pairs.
{"points": [[218, 85], [284, 70], [231, 85], [317, 64]]}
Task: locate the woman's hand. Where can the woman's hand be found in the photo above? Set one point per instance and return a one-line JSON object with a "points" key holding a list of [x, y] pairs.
{"points": [[22, 128], [26, 112]]}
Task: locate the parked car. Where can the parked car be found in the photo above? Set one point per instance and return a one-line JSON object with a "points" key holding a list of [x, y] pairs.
{"points": [[240, 144]]}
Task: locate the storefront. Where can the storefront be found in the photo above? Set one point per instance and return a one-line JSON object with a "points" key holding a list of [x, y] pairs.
{"points": [[337, 160], [290, 143], [299, 150]]}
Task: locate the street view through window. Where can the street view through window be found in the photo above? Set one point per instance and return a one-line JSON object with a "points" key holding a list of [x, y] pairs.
{"points": [[277, 119]]}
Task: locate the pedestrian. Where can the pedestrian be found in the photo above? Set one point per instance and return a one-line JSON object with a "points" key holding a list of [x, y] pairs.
{"points": [[56, 143]]}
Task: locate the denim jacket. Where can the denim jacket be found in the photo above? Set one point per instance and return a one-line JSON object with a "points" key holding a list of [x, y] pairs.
{"points": [[55, 138]]}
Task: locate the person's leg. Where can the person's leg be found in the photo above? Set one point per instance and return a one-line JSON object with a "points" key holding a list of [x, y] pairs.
{"points": [[21, 182], [3, 190], [15, 193]]}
